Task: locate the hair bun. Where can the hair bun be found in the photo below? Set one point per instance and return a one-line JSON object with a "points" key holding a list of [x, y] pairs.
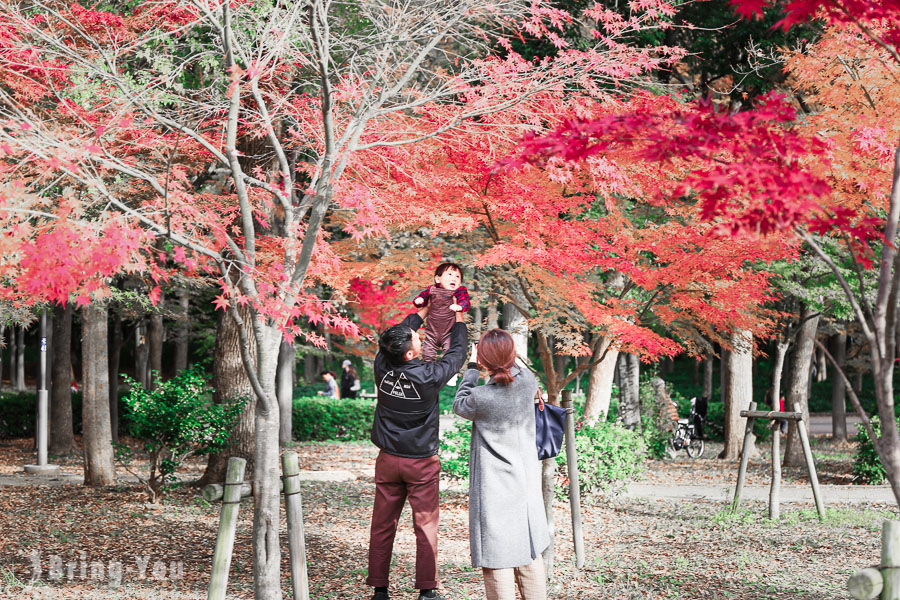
{"points": [[503, 376]]}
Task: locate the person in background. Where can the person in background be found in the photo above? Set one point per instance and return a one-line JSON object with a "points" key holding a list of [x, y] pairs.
{"points": [[349, 380], [507, 523], [331, 387]]}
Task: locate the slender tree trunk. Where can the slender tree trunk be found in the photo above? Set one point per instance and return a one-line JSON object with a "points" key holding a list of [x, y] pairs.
{"points": [[516, 324], [99, 468], [781, 348], [600, 381], [62, 435], [230, 382], [284, 384], [708, 377], [477, 318], [838, 391], [310, 369], [737, 392], [20, 360], [266, 474], [629, 391], [493, 321], [2, 348], [141, 353], [182, 343], [798, 385], [115, 352], [725, 354], [695, 372], [155, 336], [821, 366]]}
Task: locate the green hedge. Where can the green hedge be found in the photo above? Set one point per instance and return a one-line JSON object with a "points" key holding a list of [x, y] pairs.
{"points": [[18, 414], [319, 419]]}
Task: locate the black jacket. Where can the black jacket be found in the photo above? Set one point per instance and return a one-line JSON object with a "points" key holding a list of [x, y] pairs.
{"points": [[347, 381], [407, 415]]}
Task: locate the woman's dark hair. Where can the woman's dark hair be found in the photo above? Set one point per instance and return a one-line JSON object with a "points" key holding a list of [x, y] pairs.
{"points": [[497, 354], [395, 341], [447, 266]]}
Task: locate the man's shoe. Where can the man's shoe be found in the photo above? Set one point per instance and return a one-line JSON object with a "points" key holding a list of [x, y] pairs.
{"points": [[380, 596], [437, 596]]}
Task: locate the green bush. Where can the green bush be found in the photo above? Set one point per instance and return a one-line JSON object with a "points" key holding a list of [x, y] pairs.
{"points": [[866, 464], [454, 450], [175, 420], [608, 456], [319, 419]]}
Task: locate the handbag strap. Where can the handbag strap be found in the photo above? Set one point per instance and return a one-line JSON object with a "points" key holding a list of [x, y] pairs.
{"points": [[540, 398]]}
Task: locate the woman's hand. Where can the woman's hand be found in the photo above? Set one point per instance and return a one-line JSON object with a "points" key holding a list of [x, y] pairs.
{"points": [[473, 357]]}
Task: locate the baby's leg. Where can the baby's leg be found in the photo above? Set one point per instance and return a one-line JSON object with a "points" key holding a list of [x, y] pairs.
{"points": [[429, 349]]}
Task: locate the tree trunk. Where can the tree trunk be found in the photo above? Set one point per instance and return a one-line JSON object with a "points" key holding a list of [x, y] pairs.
{"points": [[20, 359], [722, 372], [516, 324], [155, 335], [284, 384], [115, 352], [737, 392], [2, 346], [141, 354], [477, 317], [310, 368], [821, 366], [629, 391], [838, 391], [62, 435], [99, 468], [798, 385], [230, 382], [548, 488], [182, 342], [600, 381], [708, 377], [493, 321], [266, 474], [781, 348]]}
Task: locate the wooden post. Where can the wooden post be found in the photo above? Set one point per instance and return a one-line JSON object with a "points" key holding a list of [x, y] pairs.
{"points": [[234, 477], [890, 560], [290, 467], [745, 457], [574, 491], [865, 584], [216, 491], [775, 489], [810, 465]]}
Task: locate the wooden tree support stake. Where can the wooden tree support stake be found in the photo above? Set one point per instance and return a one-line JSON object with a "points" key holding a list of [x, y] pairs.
{"points": [[810, 465], [290, 467], [574, 490], [745, 457], [234, 477], [890, 560], [775, 489]]}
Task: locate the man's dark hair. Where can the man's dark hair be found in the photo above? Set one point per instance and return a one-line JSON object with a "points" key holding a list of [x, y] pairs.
{"points": [[395, 342], [446, 266]]}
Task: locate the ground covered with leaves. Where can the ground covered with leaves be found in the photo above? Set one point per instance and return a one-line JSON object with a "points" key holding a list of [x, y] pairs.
{"points": [[636, 548]]}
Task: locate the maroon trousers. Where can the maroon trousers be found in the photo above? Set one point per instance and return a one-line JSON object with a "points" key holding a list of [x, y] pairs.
{"points": [[397, 479]]}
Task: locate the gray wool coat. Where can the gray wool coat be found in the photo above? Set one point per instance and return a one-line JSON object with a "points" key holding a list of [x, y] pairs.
{"points": [[507, 522]]}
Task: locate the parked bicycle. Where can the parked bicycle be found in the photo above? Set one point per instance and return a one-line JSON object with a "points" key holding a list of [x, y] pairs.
{"points": [[689, 432]]}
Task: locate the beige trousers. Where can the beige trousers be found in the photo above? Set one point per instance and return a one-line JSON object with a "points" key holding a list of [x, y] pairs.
{"points": [[500, 584]]}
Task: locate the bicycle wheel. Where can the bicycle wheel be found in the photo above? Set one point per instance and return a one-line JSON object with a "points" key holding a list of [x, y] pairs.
{"points": [[695, 448]]}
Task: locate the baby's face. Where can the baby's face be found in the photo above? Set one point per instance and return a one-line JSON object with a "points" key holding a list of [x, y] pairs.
{"points": [[449, 279]]}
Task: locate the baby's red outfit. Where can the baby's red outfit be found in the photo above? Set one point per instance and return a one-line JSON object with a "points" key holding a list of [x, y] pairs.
{"points": [[440, 317]]}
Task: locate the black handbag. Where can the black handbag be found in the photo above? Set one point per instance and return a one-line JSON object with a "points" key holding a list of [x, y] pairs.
{"points": [[550, 426]]}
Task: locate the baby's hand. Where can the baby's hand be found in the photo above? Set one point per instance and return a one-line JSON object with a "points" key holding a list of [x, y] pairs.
{"points": [[419, 301], [455, 307]]}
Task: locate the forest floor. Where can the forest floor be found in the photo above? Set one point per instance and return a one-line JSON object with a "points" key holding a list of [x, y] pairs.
{"points": [[640, 548]]}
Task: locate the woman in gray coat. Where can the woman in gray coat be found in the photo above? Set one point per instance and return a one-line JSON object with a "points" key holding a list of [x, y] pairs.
{"points": [[507, 523]]}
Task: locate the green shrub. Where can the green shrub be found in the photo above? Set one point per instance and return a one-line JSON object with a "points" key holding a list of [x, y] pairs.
{"points": [[319, 419], [866, 465], [608, 456], [454, 450], [175, 420]]}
